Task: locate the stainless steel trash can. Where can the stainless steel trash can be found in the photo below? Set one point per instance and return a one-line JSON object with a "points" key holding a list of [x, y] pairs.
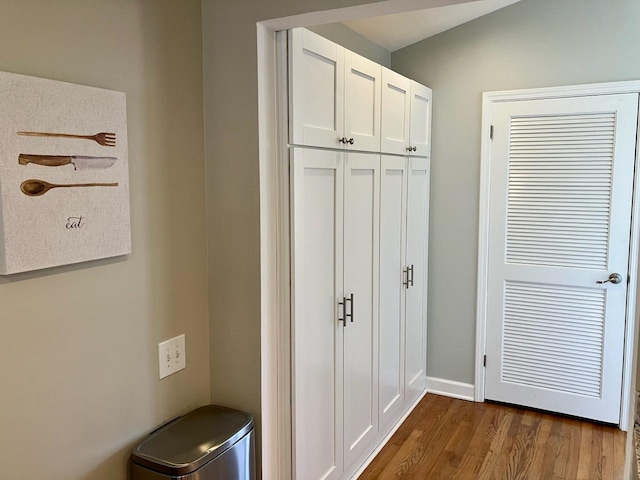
{"points": [[209, 443]]}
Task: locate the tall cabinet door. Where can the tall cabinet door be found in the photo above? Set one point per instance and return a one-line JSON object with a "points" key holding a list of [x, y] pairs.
{"points": [[317, 221], [362, 84], [420, 120], [416, 293], [396, 96], [393, 278], [361, 257], [316, 71]]}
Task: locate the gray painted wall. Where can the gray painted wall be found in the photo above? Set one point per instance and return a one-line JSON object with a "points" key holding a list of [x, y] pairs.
{"points": [[533, 43], [78, 344], [233, 198], [343, 35]]}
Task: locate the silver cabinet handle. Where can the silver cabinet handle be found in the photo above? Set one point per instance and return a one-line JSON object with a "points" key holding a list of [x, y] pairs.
{"points": [[614, 278], [350, 314], [410, 280], [405, 282], [342, 304]]}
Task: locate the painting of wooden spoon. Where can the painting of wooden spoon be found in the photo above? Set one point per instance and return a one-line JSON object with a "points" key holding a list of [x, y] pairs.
{"points": [[35, 188], [105, 139]]}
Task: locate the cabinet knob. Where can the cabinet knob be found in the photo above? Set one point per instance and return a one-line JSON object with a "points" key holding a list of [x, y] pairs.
{"points": [[414, 148], [350, 141], [342, 140], [409, 148]]}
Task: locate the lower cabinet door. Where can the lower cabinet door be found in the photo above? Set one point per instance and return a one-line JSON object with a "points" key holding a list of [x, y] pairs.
{"points": [[393, 277], [416, 292], [361, 265], [317, 348], [360, 228]]}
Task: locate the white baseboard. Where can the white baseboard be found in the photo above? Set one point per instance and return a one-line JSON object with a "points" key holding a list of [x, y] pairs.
{"points": [[450, 388]]}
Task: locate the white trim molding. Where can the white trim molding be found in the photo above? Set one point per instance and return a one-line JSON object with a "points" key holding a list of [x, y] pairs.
{"points": [[450, 388], [489, 99], [629, 387]]}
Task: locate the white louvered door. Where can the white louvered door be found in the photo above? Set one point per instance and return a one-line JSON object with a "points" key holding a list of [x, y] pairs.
{"points": [[560, 209]]}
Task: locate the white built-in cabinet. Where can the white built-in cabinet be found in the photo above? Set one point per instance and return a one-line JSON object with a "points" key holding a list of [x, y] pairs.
{"points": [[359, 224], [336, 260], [406, 116], [404, 221], [416, 291], [335, 95]]}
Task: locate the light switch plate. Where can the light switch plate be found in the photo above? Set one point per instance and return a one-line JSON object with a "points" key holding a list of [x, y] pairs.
{"points": [[172, 356]]}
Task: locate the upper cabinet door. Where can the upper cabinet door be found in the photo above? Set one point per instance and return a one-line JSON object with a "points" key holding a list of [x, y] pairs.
{"points": [[362, 83], [396, 96], [317, 90], [420, 135]]}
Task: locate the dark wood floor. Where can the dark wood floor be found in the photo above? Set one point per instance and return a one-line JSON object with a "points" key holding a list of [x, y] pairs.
{"points": [[444, 438]]}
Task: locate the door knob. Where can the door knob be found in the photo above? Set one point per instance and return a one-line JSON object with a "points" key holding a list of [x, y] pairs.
{"points": [[614, 278]]}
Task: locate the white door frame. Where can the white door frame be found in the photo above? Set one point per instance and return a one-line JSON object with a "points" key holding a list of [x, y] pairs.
{"points": [[489, 99]]}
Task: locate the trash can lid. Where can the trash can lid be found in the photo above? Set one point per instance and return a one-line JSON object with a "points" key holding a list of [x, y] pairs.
{"points": [[193, 440]]}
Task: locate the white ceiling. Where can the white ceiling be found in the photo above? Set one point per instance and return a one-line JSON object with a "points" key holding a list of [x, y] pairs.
{"points": [[396, 31]]}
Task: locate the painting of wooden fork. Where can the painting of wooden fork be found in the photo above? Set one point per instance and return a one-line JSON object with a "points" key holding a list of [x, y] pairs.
{"points": [[103, 138], [63, 156]]}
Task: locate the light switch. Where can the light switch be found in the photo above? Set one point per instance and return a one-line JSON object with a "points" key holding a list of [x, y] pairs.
{"points": [[172, 356]]}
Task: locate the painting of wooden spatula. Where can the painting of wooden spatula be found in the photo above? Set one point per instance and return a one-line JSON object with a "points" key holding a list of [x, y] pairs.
{"points": [[79, 162], [105, 139]]}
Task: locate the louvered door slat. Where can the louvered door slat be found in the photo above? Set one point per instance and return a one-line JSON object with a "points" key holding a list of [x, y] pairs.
{"points": [[568, 156], [527, 249], [549, 332]]}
